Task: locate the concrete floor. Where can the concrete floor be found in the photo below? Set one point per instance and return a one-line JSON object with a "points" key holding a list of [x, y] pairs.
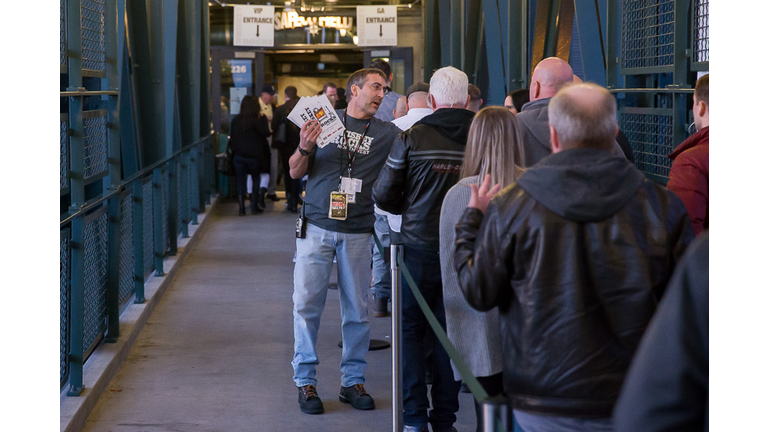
{"points": [[215, 355]]}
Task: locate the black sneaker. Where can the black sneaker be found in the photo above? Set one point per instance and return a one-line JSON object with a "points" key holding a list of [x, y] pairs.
{"points": [[380, 306], [357, 397], [309, 401]]}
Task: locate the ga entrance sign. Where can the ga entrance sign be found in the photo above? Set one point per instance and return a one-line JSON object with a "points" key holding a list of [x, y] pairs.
{"points": [[254, 26], [377, 25]]}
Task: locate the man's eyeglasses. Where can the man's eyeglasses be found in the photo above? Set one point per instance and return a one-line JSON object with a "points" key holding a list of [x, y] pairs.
{"points": [[378, 87]]}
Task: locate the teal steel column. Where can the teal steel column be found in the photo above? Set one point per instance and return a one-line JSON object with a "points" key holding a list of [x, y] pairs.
{"points": [[473, 39], [497, 88], [588, 17], [613, 36], [157, 214], [517, 42], [170, 9], [457, 30], [113, 270], [206, 125], [682, 76], [139, 39], [432, 50], [137, 208], [185, 204], [77, 199], [444, 17], [113, 65], [194, 195]]}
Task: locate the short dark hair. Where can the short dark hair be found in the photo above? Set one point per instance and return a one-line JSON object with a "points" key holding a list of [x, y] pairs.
{"points": [[358, 78], [519, 97], [702, 89], [383, 66], [291, 92], [474, 92], [328, 84]]}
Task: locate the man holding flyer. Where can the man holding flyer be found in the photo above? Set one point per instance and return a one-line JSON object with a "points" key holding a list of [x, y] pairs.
{"points": [[338, 216]]}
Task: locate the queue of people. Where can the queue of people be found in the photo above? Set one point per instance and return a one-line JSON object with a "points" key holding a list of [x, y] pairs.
{"points": [[540, 248]]}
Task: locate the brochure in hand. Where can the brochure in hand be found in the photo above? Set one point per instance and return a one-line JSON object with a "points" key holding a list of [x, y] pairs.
{"points": [[320, 108]]}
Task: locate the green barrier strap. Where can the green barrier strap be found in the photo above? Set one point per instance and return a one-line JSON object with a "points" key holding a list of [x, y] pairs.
{"points": [[473, 384]]}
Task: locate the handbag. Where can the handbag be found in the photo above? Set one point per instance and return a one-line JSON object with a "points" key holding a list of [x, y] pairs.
{"points": [[279, 136], [224, 162]]}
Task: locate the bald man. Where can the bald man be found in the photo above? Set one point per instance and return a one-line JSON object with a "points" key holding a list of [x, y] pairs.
{"points": [[400, 108], [549, 76], [585, 263]]}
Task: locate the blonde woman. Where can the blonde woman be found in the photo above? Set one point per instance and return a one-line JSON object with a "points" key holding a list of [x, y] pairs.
{"points": [[494, 147]]}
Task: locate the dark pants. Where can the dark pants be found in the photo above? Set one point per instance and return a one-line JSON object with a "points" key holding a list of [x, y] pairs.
{"points": [[292, 186], [424, 267], [243, 167]]}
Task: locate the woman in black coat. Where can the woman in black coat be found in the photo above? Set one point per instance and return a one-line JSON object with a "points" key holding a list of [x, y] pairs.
{"points": [[248, 137]]}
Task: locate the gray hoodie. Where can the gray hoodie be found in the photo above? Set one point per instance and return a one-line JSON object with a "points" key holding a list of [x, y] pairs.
{"points": [[534, 120]]}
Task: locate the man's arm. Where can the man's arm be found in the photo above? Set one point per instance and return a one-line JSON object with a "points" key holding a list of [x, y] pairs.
{"points": [[308, 140], [689, 183], [480, 259], [389, 189]]}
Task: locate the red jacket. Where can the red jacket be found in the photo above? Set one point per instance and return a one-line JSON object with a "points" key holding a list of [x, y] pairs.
{"points": [[689, 177]]}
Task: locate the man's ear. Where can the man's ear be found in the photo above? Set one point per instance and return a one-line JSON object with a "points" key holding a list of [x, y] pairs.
{"points": [[703, 108], [466, 104], [535, 90], [553, 139], [354, 89], [432, 103]]}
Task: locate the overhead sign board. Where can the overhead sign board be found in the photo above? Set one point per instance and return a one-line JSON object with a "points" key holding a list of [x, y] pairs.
{"points": [[377, 25], [254, 26]]}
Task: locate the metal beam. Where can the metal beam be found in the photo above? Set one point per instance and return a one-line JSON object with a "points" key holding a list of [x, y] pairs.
{"points": [[588, 17], [494, 48]]}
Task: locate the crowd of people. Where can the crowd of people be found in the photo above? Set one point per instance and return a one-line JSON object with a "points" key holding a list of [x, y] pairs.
{"points": [[568, 282]]}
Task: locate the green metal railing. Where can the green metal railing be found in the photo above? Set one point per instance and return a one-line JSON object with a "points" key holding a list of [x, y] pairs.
{"points": [[136, 158], [111, 245], [655, 48]]}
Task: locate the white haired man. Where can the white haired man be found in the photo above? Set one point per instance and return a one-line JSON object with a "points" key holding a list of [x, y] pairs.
{"points": [[424, 163], [575, 263]]}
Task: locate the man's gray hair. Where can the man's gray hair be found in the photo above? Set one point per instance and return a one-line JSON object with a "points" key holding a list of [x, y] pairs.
{"points": [[583, 115], [449, 87], [358, 78]]}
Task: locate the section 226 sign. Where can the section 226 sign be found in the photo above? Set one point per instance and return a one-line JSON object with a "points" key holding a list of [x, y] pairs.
{"points": [[254, 26]]}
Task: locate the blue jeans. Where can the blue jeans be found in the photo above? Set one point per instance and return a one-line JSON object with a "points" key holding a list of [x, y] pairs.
{"points": [[311, 275], [382, 279], [424, 267]]}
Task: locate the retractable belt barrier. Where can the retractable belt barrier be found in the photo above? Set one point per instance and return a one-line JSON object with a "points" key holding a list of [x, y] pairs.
{"points": [[495, 419]]}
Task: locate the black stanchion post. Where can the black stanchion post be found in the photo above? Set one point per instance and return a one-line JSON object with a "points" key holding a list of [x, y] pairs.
{"points": [[397, 372], [495, 414]]}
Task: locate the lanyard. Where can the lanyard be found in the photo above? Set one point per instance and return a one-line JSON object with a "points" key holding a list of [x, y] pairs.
{"points": [[352, 155]]}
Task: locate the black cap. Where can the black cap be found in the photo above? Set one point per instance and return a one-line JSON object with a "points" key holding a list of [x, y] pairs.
{"points": [[418, 87], [268, 88]]}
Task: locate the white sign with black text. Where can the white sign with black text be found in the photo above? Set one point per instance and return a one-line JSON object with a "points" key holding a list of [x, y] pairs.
{"points": [[254, 26], [377, 25]]}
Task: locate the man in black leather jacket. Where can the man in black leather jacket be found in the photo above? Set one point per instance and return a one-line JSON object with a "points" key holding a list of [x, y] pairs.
{"points": [[424, 163], [576, 256]]}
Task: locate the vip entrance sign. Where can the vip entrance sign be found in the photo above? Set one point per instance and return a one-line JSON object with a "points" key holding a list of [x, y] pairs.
{"points": [[377, 25], [254, 26]]}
